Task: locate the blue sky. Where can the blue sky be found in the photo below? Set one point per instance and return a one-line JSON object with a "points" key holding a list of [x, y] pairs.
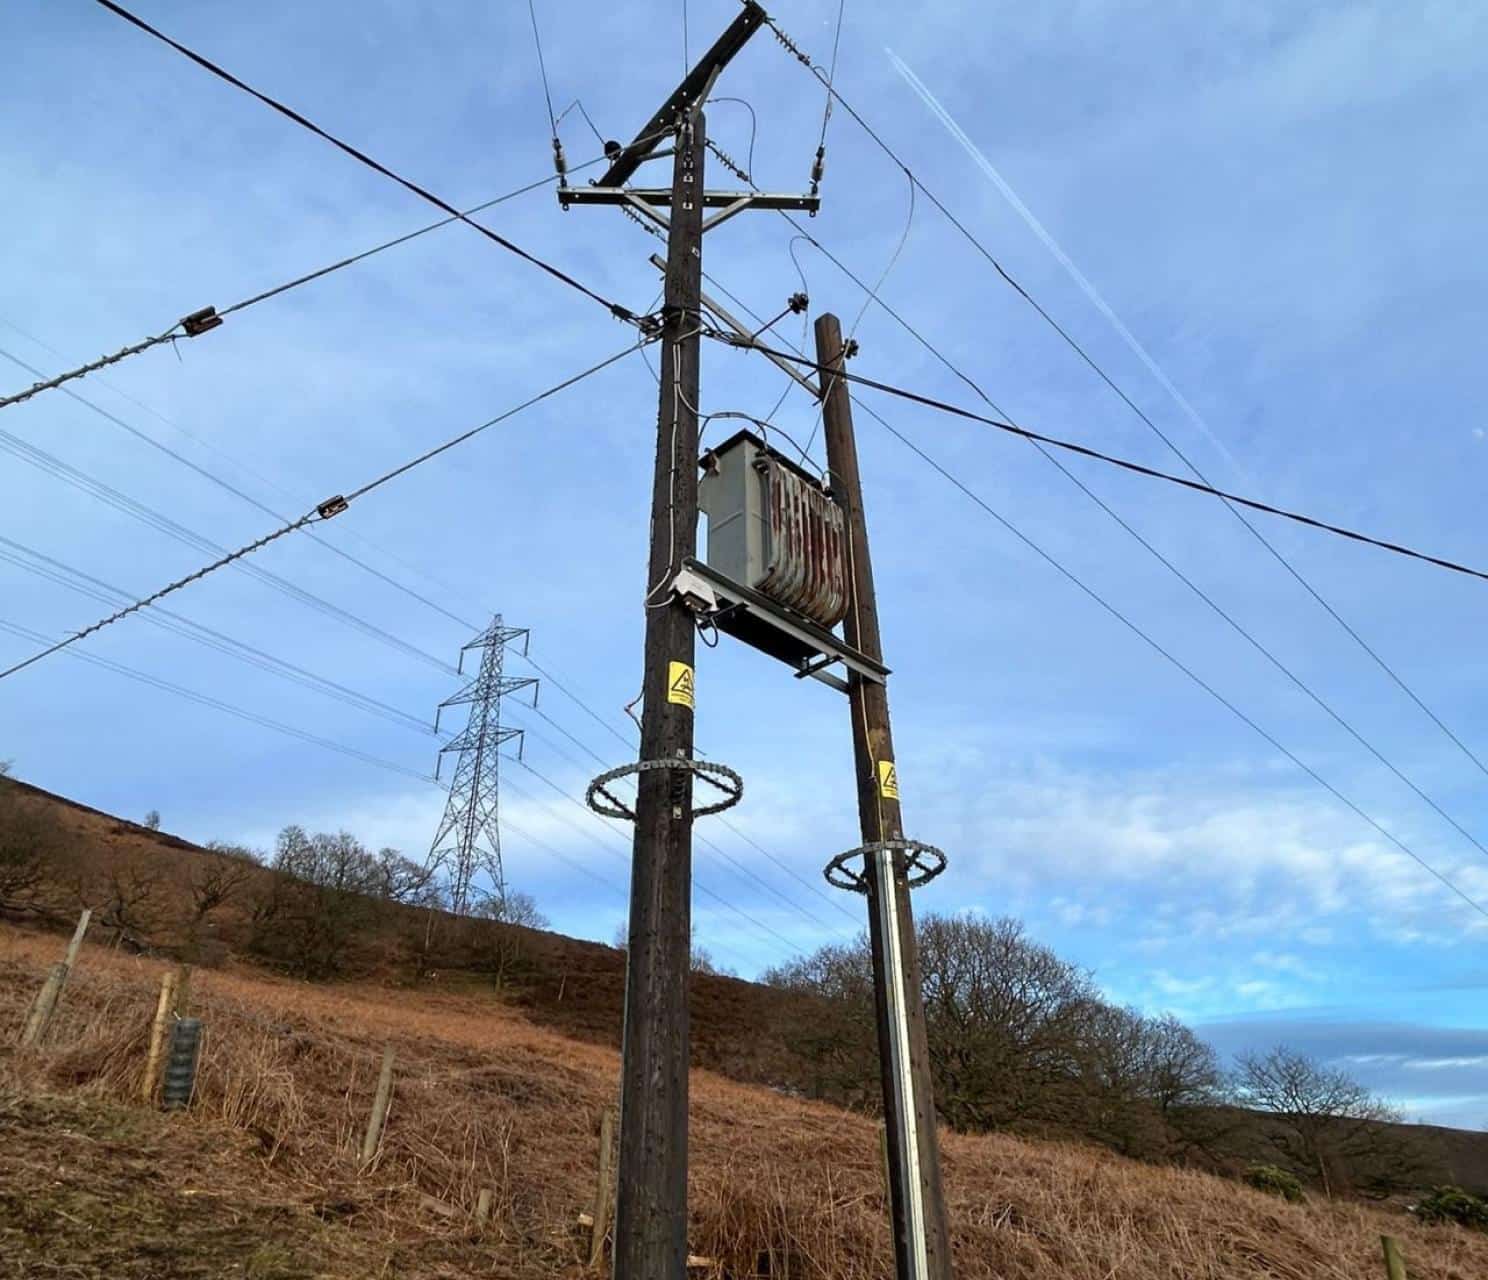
{"points": [[1281, 202]]}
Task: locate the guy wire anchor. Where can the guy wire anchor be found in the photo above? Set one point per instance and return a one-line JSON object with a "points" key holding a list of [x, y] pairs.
{"points": [[922, 863]]}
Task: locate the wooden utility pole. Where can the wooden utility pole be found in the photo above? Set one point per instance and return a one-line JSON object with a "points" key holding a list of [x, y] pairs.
{"points": [[651, 1204], [921, 1238], [651, 1208]]}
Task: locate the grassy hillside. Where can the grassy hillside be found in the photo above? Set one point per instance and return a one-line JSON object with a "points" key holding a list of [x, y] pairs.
{"points": [[503, 1088], [572, 986], [261, 1180]]}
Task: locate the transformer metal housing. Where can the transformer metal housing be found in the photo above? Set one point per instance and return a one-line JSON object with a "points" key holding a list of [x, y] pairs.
{"points": [[774, 529], [777, 553]]}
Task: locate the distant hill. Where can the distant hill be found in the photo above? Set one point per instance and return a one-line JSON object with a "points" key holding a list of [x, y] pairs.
{"points": [[740, 1029]]}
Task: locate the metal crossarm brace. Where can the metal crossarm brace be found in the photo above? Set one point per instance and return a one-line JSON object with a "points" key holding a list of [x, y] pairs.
{"points": [[693, 88], [709, 199]]}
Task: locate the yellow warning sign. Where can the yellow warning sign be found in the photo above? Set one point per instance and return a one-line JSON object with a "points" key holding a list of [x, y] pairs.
{"points": [[888, 780], [680, 688]]}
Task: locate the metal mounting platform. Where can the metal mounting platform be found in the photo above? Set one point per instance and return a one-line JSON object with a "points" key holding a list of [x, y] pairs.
{"points": [[649, 201], [662, 196], [923, 862], [761, 623], [606, 803]]}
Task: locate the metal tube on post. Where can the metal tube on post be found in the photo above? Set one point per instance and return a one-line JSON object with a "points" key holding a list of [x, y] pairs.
{"points": [[921, 1236], [651, 1205]]}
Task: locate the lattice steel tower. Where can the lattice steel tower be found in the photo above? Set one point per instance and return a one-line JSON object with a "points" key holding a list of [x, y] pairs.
{"points": [[469, 835]]}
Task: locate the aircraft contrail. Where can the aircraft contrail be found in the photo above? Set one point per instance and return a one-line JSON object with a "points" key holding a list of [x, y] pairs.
{"points": [[1074, 272]]}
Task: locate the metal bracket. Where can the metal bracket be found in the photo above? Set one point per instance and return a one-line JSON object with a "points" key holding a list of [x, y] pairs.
{"points": [[647, 211], [694, 592], [923, 862], [745, 333], [760, 622], [817, 671], [710, 199]]}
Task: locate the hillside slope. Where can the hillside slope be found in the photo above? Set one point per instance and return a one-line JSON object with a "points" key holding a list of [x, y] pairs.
{"points": [[262, 1176], [571, 985]]}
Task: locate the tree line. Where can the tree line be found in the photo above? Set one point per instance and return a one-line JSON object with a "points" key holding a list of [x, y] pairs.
{"points": [[1021, 1040], [316, 906]]}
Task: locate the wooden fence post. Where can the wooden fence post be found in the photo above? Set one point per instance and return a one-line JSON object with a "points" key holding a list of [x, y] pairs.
{"points": [[182, 996], [379, 1107], [1394, 1260], [603, 1190], [483, 1208], [76, 944], [157, 1036], [51, 990], [41, 1007]]}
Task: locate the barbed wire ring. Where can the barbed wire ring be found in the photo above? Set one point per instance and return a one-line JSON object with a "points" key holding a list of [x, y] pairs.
{"points": [[606, 803], [922, 863]]}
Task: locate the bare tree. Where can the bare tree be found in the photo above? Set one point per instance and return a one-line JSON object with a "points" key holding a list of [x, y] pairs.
{"points": [[498, 948], [1327, 1124], [833, 1029], [217, 879], [511, 908], [152, 820], [400, 879], [1005, 1018], [310, 915], [128, 897], [33, 854]]}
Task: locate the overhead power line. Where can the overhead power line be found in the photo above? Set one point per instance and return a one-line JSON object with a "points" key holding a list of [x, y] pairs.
{"points": [[1153, 643], [217, 704], [208, 318], [1085, 451], [1065, 336], [107, 593], [614, 308], [326, 510], [51, 569]]}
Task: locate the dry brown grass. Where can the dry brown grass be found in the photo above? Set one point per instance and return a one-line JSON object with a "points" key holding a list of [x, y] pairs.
{"points": [[779, 1187]]}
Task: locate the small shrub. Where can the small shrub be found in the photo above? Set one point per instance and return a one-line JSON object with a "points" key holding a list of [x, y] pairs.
{"points": [[1275, 1182], [1453, 1204]]}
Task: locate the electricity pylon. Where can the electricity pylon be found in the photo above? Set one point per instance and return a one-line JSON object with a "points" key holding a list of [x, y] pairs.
{"points": [[469, 836]]}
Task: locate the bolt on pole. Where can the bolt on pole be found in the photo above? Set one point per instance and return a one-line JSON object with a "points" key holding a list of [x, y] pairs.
{"points": [[651, 1206], [921, 1236]]}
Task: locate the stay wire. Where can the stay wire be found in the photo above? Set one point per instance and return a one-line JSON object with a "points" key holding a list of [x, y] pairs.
{"points": [[1126, 399], [328, 744], [228, 487], [1241, 630], [178, 330], [162, 523], [1126, 464], [542, 66], [1179, 664], [831, 75], [324, 511], [41, 565], [871, 297], [614, 308], [1161, 650]]}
